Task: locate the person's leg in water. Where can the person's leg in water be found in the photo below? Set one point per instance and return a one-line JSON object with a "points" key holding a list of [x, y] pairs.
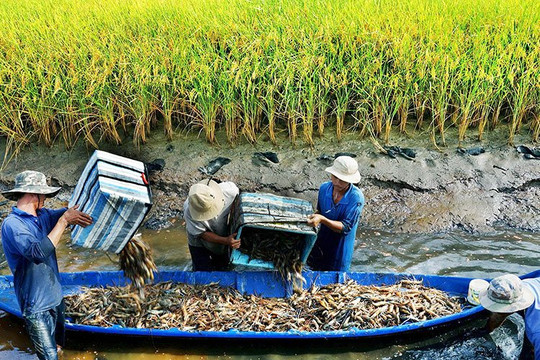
{"points": [[41, 329]]}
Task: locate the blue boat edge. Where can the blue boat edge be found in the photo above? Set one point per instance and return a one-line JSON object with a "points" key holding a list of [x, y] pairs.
{"points": [[255, 282]]}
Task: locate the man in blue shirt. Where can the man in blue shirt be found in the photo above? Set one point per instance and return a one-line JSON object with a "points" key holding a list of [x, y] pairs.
{"points": [[532, 316], [339, 207], [30, 234]]}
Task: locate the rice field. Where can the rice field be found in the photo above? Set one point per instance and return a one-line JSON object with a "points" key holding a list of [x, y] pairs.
{"points": [[97, 70]]}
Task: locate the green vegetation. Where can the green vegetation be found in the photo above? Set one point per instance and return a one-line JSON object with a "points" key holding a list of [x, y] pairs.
{"points": [[100, 70]]}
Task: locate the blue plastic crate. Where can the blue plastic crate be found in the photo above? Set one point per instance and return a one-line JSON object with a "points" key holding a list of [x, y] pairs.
{"points": [[114, 190], [265, 212]]}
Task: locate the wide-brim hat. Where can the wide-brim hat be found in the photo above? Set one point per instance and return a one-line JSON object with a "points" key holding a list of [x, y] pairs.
{"points": [[206, 200], [345, 168], [506, 294], [32, 182]]}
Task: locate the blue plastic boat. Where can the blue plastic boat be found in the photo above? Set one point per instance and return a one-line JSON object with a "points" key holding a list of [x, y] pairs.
{"points": [[263, 283]]}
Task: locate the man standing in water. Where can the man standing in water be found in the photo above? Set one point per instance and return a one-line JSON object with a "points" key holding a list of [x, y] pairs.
{"points": [[507, 294], [30, 234], [339, 206]]}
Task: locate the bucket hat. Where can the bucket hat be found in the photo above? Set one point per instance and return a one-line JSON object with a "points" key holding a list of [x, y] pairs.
{"points": [[345, 168], [32, 182], [206, 200], [506, 294]]}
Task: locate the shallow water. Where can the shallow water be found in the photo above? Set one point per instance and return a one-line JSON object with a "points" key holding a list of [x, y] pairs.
{"points": [[455, 253]]}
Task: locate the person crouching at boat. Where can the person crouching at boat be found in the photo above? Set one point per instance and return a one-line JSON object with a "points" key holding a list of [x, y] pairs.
{"points": [[507, 294], [30, 235], [206, 211], [339, 207]]}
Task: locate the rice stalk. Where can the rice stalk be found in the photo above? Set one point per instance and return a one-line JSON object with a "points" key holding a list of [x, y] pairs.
{"points": [[99, 72], [536, 127]]}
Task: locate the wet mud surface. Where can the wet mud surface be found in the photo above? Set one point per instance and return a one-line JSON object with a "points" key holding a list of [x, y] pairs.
{"points": [[475, 188]]}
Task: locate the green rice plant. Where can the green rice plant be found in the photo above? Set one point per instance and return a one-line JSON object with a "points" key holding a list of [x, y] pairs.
{"points": [[250, 95], [108, 120], [519, 105], [87, 126], [490, 100], [205, 96], [342, 98], [268, 99], [67, 121], [389, 111], [536, 127], [308, 91], [522, 101], [483, 118], [467, 104], [103, 71], [419, 95], [290, 101], [443, 86], [143, 113], [11, 127], [229, 106], [323, 102], [403, 86], [403, 111], [167, 101]]}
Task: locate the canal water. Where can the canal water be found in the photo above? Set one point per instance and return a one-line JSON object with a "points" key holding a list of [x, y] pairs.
{"points": [[454, 253]]}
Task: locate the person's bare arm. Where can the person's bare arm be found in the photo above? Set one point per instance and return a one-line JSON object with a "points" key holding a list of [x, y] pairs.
{"points": [[223, 240], [316, 219], [72, 216], [495, 320]]}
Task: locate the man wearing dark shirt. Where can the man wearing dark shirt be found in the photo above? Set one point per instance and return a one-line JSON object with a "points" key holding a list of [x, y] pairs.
{"points": [[30, 234]]}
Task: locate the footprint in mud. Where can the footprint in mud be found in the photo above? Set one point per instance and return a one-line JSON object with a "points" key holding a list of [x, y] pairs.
{"points": [[431, 163], [214, 165]]}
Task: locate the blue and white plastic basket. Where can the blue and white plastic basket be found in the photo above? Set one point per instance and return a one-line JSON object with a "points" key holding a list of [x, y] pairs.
{"points": [[113, 190], [271, 212]]}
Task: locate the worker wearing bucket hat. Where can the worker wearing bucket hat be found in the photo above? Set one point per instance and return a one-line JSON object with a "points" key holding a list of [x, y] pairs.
{"points": [[507, 294], [339, 207], [30, 234], [206, 211]]}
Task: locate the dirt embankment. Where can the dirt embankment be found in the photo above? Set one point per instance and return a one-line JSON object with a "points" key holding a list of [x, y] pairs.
{"points": [[438, 190]]}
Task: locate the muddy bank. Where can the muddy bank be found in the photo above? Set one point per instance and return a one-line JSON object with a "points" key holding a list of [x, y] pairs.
{"points": [[438, 190]]}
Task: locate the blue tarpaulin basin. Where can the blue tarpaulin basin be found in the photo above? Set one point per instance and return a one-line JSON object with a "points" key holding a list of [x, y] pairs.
{"points": [[263, 283], [253, 212]]}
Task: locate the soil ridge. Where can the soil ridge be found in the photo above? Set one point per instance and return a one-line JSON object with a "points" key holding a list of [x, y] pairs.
{"points": [[438, 190]]}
